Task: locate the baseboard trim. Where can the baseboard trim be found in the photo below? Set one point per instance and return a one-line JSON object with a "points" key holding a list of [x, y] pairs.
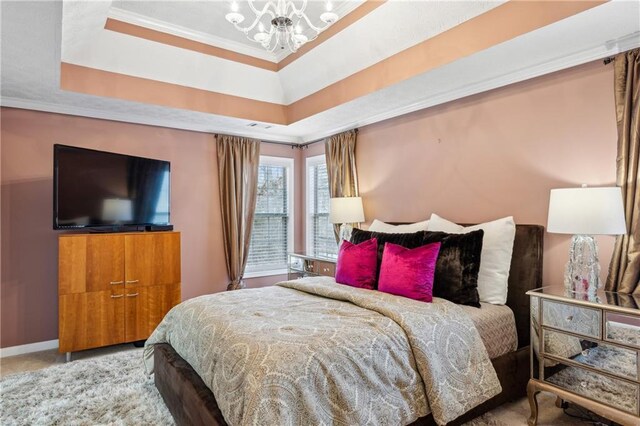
{"points": [[28, 348]]}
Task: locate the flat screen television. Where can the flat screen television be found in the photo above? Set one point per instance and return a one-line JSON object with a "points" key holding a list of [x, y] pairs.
{"points": [[108, 191]]}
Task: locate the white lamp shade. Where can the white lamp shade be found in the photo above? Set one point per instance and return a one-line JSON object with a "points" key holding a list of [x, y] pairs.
{"points": [[586, 211], [116, 209], [346, 210]]}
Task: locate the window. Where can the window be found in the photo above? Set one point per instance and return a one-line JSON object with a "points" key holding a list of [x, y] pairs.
{"points": [[272, 232], [320, 237]]}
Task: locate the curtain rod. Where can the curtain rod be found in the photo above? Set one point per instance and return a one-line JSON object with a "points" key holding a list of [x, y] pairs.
{"points": [[293, 145], [306, 144]]}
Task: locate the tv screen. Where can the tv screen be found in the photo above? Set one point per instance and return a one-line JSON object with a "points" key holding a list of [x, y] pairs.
{"points": [[105, 189]]}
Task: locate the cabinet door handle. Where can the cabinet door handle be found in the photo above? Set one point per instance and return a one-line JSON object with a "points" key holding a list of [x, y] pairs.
{"points": [[116, 296], [116, 282], [132, 281], [132, 295]]}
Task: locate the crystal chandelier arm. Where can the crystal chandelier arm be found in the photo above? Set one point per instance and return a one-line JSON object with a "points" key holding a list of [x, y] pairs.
{"points": [[313, 27], [292, 47], [255, 22], [295, 11], [264, 9], [272, 48], [259, 15]]}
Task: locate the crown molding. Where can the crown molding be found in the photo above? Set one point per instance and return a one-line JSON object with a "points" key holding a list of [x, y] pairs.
{"points": [[179, 31], [610, 48], [34, 105]]}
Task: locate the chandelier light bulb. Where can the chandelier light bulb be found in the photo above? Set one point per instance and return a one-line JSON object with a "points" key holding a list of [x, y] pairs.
{"points": [[300, 39], [329, 18], [261, 37], [234, 17], [298, 29], [329, 6], [261, 27]]}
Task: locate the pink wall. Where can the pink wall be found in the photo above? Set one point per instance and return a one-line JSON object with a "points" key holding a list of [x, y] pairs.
{"points": [[487, 156], [28, 292], [496, 154]]}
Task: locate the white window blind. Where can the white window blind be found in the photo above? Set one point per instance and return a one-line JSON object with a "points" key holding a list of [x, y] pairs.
{"points": [[320, 236], [272, 232]]}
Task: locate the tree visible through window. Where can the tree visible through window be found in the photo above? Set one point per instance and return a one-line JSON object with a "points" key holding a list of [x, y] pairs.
{"points": [[271, 233]]}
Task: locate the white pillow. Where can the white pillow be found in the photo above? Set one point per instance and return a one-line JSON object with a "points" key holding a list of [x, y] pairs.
{"points": [[379, 226], [495, 261]]}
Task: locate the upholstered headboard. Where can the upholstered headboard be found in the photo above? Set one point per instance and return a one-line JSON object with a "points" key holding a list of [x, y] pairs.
{"points": [[525, 274]]}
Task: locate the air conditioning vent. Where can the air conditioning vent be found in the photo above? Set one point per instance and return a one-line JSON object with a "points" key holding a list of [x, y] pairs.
{"points": [[260, 125]]}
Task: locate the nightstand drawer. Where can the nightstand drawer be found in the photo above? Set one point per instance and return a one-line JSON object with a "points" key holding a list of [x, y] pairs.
{"points": [[325, 268], [623, 329], [613, 392], [592, 354], [304, 265], [572, 318], [319, 267]]}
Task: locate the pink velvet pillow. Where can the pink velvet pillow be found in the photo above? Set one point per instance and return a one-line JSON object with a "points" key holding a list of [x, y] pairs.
{"points": [[409, 272], [357, 264]]}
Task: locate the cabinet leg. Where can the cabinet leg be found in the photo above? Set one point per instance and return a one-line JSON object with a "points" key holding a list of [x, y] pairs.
{"points": [[532, 393], [559, 402], [68, 357]]}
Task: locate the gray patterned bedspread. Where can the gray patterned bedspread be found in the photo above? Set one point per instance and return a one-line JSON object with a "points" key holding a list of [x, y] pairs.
{"points": [[311, 351]]}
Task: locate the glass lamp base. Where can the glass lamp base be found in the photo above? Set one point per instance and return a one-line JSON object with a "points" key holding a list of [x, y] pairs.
{"points": [[582, 273], [345, 232]]}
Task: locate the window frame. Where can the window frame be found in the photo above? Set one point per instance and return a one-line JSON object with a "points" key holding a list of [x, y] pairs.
{"points": [[288, 164], [310, 196]]}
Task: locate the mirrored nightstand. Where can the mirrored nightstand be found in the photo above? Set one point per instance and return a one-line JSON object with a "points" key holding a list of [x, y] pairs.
{"points": [[304, 265], [586, 349]]}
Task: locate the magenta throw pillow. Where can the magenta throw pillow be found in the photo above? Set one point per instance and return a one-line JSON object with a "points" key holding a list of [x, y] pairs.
{"points": [[357, 264], [409, 272]]}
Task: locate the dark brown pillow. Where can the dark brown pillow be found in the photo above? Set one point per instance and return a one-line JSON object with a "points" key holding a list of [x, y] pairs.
{"points": [[456, 276]]}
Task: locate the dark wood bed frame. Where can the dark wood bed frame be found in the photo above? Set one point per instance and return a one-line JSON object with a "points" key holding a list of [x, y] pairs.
{"points": [[192, 403]]}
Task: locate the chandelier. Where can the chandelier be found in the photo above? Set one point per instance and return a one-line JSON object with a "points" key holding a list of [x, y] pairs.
{"points": [[280, 24]]}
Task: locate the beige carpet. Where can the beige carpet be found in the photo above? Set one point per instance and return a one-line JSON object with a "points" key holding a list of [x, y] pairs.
{"points": [[107, 386]]}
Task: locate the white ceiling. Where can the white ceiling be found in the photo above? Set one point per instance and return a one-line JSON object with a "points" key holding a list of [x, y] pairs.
{"points": [[35, 40]]}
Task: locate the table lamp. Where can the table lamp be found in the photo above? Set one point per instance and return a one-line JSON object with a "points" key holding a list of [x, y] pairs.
{"points": [[346, 211], [585, 212]]}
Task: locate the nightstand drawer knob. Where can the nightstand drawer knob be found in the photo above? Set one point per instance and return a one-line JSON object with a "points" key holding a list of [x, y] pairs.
{"points": [[570, 318]]}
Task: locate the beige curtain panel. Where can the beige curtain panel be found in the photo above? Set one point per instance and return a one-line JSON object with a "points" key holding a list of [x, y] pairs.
{"points": [[238, 160], [624, 270], [340, 152]]}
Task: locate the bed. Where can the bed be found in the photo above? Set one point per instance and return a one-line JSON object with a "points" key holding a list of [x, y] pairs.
{"points": [[191, 402]]}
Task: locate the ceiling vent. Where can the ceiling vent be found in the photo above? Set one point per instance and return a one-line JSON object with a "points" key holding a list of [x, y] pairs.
{"points": [[260, 126]]}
